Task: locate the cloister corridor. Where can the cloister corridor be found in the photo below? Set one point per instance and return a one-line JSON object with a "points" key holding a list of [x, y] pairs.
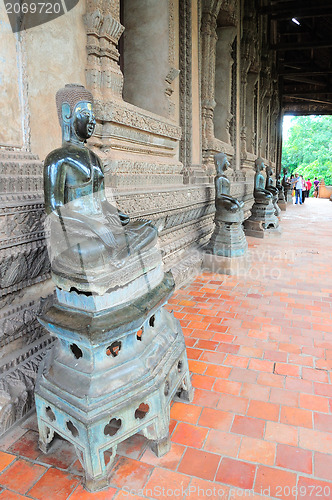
{"points": [[260, 353]]}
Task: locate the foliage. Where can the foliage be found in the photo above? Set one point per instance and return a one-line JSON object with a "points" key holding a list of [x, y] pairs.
{"points": [[308, 148]]}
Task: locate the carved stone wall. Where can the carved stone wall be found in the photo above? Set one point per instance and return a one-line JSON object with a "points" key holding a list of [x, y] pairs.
{"points": [[24, 266]]}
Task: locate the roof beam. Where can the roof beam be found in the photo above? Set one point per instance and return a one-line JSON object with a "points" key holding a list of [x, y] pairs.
{"points": [[310, 72], [303, 79], [308, 99], [321, 44], [291, 93], [296, 10]]}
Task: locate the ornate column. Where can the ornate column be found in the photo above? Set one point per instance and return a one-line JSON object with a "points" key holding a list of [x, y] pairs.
{"points": [[249, 76], [223, 82], [92, 21], [209, 41], [250, 111], [261, 119], [243, 131], [111, 75]]}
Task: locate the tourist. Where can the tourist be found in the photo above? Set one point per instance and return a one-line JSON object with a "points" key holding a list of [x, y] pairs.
{"points": [[290, 180], [309, 184], [304, 188], [316, 187], [297, 185]]}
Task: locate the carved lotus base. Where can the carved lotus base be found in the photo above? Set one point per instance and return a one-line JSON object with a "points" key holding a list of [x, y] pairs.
{"points": [[112, 374]]}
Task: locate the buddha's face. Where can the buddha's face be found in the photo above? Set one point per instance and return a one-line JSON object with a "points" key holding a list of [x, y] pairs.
{"points": [[259, 167], [221, 163], [84, 121]]}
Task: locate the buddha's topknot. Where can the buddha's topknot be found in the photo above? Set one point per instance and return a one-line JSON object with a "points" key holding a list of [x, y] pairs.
{"points": [[72, 94]]}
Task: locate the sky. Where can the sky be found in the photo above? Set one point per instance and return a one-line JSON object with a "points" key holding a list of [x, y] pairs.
{"points": [[286, 125]]}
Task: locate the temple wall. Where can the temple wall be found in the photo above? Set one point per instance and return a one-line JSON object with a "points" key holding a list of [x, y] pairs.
{"points": [[213, 89], [55, 55], [24, 265]]}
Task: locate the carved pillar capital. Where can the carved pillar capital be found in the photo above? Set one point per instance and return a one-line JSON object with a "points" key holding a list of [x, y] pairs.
{"points": [[103, 72]]}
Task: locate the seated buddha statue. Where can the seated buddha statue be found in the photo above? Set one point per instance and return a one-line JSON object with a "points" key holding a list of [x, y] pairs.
{"points": [[89, 239], [278, 183], [286, 185], [261, 194], [228, 209], [269, 182]]}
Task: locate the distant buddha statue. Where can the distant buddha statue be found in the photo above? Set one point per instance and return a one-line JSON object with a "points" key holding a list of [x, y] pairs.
{"points": [[261, 194], [281, 194], [286, 185], [264, 209], [228, 209], [269, 181], [90, 239], [227, 239], [269, 185], [280, 187], [278, 183]]}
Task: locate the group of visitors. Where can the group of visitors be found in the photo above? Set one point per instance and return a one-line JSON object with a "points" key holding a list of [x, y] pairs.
{"points": [[301, 188]]}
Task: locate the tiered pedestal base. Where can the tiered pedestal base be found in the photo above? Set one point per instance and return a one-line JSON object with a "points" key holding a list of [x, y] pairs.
{"points": [[261, 220], [282, 201], [112, 373], [226, 252], [227, 240]]}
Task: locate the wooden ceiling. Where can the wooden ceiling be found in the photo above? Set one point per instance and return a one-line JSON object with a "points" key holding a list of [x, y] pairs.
{"points": [[304, 53]]}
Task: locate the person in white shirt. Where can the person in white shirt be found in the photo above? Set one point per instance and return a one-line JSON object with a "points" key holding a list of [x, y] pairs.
{"points": [[297, 185]]}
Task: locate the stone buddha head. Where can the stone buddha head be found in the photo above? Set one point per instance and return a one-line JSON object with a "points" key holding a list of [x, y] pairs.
{"points": [[269, 171], [259, 165], [221, 163], [75, 111]]}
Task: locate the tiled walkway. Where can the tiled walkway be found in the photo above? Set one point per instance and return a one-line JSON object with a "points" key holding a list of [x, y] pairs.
{"points": [[260, 350]]}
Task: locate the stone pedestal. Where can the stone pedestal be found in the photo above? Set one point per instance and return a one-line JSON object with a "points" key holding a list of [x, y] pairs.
{"points": [[227, 240], [282, 200], [226, 251], [282, 205], [277, 209], [226, 265], [112, 373], [261, 220]]}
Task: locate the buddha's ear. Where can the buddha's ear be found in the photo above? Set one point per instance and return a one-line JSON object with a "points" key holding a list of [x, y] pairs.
{"points": [[65, 112]]}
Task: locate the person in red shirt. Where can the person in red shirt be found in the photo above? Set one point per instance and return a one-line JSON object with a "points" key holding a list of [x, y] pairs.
{"points": [[309, 184]]}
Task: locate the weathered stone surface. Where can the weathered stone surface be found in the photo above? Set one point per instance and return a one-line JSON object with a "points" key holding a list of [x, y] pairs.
{"points": [[23, 264], [226, 265]]}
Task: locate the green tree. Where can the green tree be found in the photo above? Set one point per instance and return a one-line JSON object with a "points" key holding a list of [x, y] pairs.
{"points": [[308, 148]]}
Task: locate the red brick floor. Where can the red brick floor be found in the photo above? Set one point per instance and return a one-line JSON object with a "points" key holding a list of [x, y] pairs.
{"points": [[260, 351]]}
